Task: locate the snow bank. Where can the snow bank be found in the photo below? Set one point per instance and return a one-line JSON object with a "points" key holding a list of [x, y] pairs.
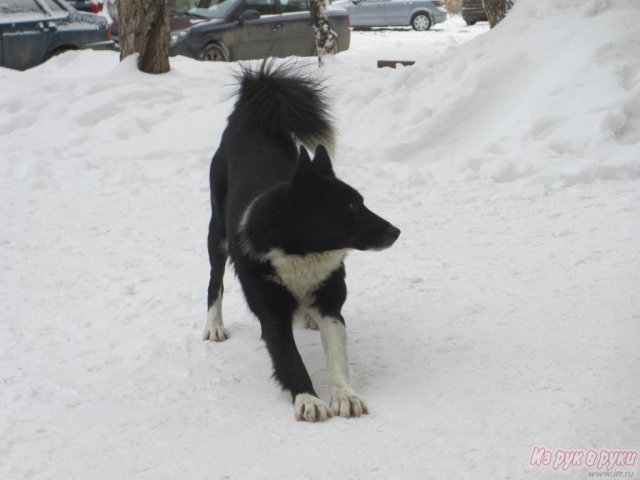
{"points": [[84, 117], [550, 95]]}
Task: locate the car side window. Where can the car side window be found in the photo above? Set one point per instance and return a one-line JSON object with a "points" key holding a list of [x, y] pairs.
{"points": [[294, 5], [264, 7], [19, 10]]}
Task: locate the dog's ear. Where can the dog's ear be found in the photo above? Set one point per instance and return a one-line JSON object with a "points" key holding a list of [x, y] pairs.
{"points": [[304, 165], [304, 159], [322, 162]]}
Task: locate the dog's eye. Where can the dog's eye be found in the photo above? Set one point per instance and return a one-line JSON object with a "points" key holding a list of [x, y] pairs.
{"points": [[354, 206]]}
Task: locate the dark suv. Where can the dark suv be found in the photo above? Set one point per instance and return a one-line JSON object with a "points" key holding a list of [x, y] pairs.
{"points": [[32, 31], [473, 11]]}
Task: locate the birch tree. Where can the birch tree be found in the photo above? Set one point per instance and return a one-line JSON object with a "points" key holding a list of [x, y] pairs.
{"points": [[496, 10], [143, 27], [326, 41]]}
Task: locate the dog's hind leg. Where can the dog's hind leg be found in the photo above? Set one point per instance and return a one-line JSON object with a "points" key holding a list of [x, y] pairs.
{"points": [[345, 402], [218, 250], [214, 329]]}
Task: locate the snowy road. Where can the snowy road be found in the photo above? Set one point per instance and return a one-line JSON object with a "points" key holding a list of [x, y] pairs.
{"points": [[506, 316]]}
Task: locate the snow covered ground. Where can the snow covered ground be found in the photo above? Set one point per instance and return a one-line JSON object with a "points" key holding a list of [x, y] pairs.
{"points": [[506, 316]]}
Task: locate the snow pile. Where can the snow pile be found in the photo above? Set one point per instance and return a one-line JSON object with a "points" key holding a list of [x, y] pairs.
{"points": [[95, 118], [506, 316], [552, 94]]}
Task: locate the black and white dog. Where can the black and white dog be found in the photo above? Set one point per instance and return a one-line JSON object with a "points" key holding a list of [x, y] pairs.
{"points": [[287, 223]]}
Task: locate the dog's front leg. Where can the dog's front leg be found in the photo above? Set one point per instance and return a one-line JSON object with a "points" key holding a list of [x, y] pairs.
{"points": [[290, 371], [344, 400]]}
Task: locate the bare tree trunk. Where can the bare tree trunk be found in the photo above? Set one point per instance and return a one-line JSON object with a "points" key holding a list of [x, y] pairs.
{"points": [[154, 53], [326, 41], [129, 13], [143, 26], [496, 10]]}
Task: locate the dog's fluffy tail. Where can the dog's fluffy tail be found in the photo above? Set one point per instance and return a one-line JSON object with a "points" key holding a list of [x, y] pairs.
{"points": [[278, 99]]}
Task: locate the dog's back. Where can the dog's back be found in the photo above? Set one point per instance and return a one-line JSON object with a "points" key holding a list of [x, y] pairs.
{"points": [[276, 108]]}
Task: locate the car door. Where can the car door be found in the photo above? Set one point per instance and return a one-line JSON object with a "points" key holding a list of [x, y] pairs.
{"points": [[26, 33], [398, 12], [262, 37], [298, 36], [368, 13]]}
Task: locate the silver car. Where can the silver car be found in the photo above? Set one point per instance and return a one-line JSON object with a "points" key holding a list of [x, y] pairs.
{"points": [[420, 14]]}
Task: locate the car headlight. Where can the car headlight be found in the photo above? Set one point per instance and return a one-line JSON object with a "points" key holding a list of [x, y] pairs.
{"points": [[178, 36]]}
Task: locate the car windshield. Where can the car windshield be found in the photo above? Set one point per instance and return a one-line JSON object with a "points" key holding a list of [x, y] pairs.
{"points": [[205, 8]]}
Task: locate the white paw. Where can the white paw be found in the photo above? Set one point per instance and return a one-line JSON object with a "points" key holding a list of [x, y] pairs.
{"points": [[346, 403], [311, 409], [213, 329], [215, 333]]}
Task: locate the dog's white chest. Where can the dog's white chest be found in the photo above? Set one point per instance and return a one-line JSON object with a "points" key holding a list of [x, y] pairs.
{"points": [[302, 274]]}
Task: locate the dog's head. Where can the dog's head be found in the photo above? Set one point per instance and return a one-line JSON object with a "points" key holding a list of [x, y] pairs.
{"points": [[330, 214]]}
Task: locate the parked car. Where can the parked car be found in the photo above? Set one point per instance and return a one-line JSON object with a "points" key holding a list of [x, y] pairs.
{"points": [[420, 14], [32, 31], [229, 30], [473, 11]]}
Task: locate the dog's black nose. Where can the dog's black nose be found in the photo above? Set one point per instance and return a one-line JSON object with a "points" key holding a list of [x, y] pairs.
{"points": [[392, 235]]}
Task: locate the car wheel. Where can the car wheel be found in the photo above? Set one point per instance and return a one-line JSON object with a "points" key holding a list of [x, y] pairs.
{"points": [[470, 22], [421, 22], [214, 52]]}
